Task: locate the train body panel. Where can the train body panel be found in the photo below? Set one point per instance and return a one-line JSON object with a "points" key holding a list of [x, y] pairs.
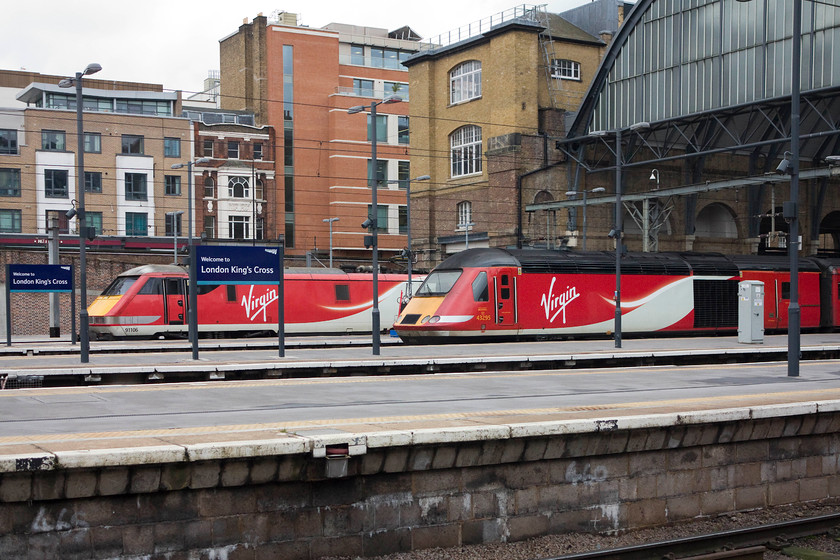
{"points": [[149, 301], [496, 293]]}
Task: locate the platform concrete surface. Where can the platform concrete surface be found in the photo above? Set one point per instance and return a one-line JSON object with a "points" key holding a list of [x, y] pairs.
{"points": [[39, 357]]}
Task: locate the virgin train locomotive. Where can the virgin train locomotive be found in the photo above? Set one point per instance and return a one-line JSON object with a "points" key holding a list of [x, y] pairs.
{"points": [[490, 294], [151, 300]]}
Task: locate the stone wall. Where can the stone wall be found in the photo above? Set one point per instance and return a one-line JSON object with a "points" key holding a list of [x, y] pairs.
{"points": [[415, 489]]}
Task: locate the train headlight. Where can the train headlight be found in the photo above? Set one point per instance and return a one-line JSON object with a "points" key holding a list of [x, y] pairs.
{"points": [[434, 319], [425, 319]]}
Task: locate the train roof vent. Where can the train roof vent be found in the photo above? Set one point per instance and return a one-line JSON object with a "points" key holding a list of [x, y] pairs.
{"points": [[710, 264], [771, 263]]}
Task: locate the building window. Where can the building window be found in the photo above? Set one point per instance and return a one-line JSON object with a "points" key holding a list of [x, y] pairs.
{"points": [[396, 88], [403, 220], [132, 144], [173, 224], [259, 192], [381, 216], [238, 187], [9, 182], [402, 130], [58, 219], [565, 69], [465, 82], [171, 147], [172, 185], [94, 220], [93, 143], [258, 152], [8, 141], [209, 187], [381, 172], [239, 227], [465, 144], [403, 173], [233, 150], [135, 186], [464, 214], [136, 223], [381, 128], [259, 228], [208, 148], [53, 140], [55, 183], [93, 182], [362, 88], [210, 226], [10, 221], [357, 55]]}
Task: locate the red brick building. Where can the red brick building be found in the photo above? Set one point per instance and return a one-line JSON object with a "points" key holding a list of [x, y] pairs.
{"points": [[301, 81]]}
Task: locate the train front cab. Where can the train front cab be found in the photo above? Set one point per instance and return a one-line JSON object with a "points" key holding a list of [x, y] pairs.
{"points": [[144, 301], [471, 293]]}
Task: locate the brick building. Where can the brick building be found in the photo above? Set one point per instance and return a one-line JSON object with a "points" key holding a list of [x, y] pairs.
{"points": [[301, 81], [485, 111]]}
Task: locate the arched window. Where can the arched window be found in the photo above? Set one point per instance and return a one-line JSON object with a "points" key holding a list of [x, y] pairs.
{"points": [[238, 187], [464, 214], [716, 220], [465, 144], [465, 82]]}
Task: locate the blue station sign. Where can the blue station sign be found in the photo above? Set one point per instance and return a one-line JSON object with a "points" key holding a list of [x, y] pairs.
{"points": [[40, 278], [224, 264]]}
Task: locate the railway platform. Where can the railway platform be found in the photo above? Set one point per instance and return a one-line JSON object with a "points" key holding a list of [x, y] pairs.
{"points": [[44, 362]]}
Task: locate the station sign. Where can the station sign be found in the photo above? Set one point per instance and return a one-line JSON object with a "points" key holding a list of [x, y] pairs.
{"points": [[226, 264], [40, 278]]}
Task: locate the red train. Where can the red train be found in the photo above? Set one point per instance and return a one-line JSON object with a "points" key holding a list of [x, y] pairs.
{"points": [[488, 294], [150, 301]]}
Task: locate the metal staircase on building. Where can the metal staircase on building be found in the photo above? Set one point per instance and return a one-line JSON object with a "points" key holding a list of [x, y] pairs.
{"points": [[540, 14]]}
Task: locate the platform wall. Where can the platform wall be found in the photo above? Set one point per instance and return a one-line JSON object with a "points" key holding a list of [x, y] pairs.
{"points": [[415, 489]]}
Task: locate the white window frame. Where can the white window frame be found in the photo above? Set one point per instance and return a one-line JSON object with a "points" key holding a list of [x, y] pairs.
{"points": [[565, 69], [465, 151], [465, 82], [464, 214]]}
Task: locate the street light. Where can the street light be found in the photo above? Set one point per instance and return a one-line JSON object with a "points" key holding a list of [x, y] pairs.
{"points": [[374, 314], [192, 289], [467, 227], [573, 193], [84, 321], [173, 216], [330, 221]]}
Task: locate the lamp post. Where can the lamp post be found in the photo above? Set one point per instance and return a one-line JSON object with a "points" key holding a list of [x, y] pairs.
{"points": [[192, 291], [330, 221], [374, 314], [573, 193], [84, 321], [173, 216]]}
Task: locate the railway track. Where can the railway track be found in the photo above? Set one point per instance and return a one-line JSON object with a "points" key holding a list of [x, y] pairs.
{"points": [[748, 543]]}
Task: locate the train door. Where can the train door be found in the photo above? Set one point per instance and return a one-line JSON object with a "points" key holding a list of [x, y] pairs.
{"points": [[173, 294], [776, 307], [505, 294]]}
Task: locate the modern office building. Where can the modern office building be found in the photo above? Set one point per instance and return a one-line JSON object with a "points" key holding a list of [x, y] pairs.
{"points": [[301, 81]]}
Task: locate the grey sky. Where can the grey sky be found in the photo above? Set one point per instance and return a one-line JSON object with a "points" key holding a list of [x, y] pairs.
{"points": [[175, 42]]}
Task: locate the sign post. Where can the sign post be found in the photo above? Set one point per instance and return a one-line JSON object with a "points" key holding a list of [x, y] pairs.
{"points": [[227, 264], [37, 278]]}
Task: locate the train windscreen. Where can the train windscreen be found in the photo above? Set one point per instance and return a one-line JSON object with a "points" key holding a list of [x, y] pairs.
{"points": [[438, 283], [120, 285]]}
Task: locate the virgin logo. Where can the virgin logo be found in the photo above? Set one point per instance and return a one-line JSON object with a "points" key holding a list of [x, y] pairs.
{"points": [[256, 305], [554, 304]]}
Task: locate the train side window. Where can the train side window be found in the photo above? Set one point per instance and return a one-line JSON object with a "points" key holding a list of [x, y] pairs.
{"points": [[479, 287], [505, 280], [342, 292], [231, 292], [785, 290], [153, 286], [838, 291]]}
